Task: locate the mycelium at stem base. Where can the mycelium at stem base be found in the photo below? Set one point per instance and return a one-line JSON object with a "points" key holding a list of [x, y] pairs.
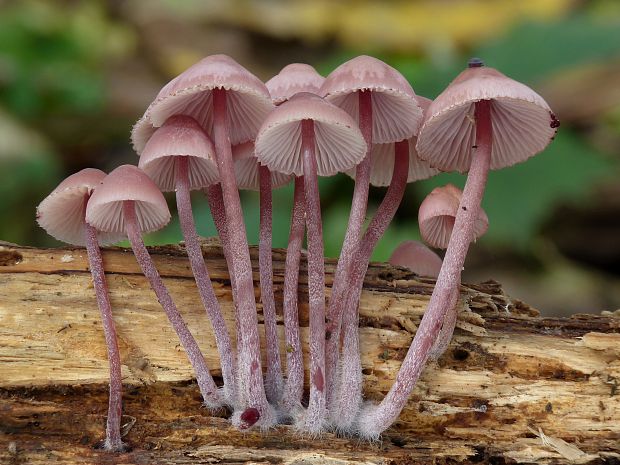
{"points": [[250, 377], [203, 280], [374, 419]]}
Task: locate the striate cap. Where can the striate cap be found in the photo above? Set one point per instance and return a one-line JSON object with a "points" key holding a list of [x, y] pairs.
{"points": [[62, 213], [417, 257], [522, 122], [438, 212], [246, 169], [190, 94], [180, 136], [339, 142], [294, 78], [127, 182], [395, 112]]}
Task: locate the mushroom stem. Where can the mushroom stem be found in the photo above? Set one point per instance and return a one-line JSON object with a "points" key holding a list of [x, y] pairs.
{"points": [[350, 244], [273, 377], [294, 386], [375, 419], [207, 386], [218, 213], [348, 397], [113, 440], [316, 413], [202, 278], [250, 375]]}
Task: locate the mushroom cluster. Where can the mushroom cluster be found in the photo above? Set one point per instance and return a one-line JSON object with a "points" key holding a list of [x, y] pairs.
{"points": [[216, 127]]}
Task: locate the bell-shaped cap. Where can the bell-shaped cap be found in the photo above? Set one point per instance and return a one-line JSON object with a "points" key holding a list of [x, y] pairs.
{"points": [[294, 78], [417, 257], [127, 182], [246, 169], [522, 122], [438, 212], [190, 93], [339, 144], [180, 136], [62, 213], [395, 112], [383, 156]]}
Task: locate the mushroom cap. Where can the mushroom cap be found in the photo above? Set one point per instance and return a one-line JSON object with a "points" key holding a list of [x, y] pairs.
{"points": [[395, 112], [294, 78], [62, 213], [246, 169], [417, 257], [522, 122], [339, 143], [382, 160], [127, 182], [438, 212], [190, 93], [180, 136]]}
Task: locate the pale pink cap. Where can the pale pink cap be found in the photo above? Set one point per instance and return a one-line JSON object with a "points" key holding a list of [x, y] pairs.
{"points": [[294, 78], [62, 213], [246, 169], [522, 122], [395, 113], [190, 94], [339, 142], [180, 136], [438, 212], [382, 160], [417, 257], [127, 182]]}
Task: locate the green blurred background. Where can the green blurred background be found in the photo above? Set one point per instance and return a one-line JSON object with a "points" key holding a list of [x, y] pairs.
{"points": [[75, 75]]}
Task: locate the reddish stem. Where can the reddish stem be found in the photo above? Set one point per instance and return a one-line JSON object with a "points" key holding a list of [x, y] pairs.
{"points": [[294, 386], [349, 396], [349, 246], [250, 381], [113, 440], [316, 413], [203, 280], [376, 419], [207, 386], [273, 377]]}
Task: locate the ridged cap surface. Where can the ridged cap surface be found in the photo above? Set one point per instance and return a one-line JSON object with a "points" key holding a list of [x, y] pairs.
{"points": [[246, 169], [522, 122], [294, 78], [190, 94], [396, 114], [62, 213], [339, 142], [180, 136], [127, 182]]}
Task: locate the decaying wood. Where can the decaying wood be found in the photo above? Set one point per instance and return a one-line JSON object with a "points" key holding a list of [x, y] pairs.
{"points": [[512, 387]]}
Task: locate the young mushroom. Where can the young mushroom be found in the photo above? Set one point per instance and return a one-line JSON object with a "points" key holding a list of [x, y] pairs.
{"points": [[482, 120], [180, 157], [128, 202], [308, 136], [416, 257], [383, 103], [62, 215], [230, 104], [293, 78]]}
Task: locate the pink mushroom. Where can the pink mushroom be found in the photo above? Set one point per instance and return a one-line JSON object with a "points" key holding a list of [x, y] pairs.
{"points": [[127, 202], [62, 215], [416, 257]]}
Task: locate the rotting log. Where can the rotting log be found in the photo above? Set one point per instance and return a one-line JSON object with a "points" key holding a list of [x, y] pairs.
{"points": [[512, 387]]}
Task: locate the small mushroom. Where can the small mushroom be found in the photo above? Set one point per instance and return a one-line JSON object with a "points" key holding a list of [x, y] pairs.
{"points": [[416, 257]]}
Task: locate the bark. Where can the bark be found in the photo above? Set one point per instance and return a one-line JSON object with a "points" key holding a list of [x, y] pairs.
{"points": [[512, 386]]}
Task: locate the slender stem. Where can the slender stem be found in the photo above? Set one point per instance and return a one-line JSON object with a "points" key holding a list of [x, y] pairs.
{"points": [[349, 395], [113, 440], [203, 280], [207, 386], [273, 376], [250, 380], [317, 408], [349, 246], [447, 330], [377, 418], [294, 386]]}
